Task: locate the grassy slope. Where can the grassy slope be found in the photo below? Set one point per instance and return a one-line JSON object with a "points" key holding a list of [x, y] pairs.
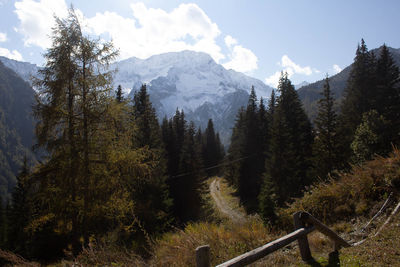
{"points": [[345, 205]]}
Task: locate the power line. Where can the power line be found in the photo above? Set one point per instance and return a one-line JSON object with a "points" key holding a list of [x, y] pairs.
{"points": [[212, 167]]}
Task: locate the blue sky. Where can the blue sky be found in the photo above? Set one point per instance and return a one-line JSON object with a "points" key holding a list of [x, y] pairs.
{"points": [[307, 38]]}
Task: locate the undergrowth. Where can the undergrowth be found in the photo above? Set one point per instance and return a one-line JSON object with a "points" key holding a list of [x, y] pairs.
{"points": [[357, 193]]}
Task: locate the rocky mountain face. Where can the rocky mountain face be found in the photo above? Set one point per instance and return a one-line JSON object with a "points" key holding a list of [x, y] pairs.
{"points": [[310, 94], [24, 69], [191, 81]]}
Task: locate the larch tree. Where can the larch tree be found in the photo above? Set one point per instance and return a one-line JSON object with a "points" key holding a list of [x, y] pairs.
{"points": [[81, 183]]}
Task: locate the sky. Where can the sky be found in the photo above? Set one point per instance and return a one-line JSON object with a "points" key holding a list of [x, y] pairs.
{"points": [[306, 38]]}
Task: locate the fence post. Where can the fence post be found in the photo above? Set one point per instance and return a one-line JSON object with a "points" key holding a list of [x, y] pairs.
{"points": [[303, 241], [203, 256]]}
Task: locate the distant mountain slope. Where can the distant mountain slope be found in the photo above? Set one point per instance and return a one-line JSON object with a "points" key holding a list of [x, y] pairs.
{"points": [[24, 69], [310, 94], [16, 126]]}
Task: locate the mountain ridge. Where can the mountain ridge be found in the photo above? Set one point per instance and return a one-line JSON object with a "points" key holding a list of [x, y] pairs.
{"points": [[310, 94]]}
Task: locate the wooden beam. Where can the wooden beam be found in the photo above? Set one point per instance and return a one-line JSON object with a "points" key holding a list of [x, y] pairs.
{"points": [[203, 256], [339, 242], [263, 251], [303, 241]]}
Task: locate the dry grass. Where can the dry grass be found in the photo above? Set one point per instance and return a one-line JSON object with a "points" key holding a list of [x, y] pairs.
{"points": [[226, 241], [10, 259], [357, 193], [382, 250]]}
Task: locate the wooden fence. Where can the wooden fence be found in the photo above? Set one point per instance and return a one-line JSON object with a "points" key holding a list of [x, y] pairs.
{"points": [[304, 224]]}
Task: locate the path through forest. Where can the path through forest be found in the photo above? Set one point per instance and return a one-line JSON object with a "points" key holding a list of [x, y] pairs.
{"points": [[223, 205]]}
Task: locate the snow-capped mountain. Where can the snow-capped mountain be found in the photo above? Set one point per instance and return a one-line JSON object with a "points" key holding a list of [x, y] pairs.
{"points": [[186, 80], [191, 81]]}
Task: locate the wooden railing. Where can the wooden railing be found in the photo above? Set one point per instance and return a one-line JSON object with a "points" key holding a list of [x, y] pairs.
{"points": [[304, 224]]}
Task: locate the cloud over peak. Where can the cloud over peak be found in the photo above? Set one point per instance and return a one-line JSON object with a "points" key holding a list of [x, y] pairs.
{"points": [[291, 68], [146, 32]]}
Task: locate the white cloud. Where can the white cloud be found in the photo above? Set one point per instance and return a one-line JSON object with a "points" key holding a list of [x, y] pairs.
{"points": [[10, 54], [153, 31], [242, 59], [229, 41], [336, 68], [316, 71], [291, 68], [287, 63], [3, 37], [273, 80], [37, 19], [148, 31]]}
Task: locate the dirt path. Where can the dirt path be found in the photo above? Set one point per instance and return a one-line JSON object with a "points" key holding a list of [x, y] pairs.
{"points": [[222, 205]]}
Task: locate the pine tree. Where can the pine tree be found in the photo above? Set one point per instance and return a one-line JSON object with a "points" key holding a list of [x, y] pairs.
{"points": [[211, 149], [119, 95], [248, 144], [188, 201], [236, 149], [148, 133], [326, 148], [289, 163], [358, 96], [154, 212], [19, 212], [387, 97]]}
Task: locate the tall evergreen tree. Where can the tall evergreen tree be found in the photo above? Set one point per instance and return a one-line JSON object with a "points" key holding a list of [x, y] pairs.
{"points": [[358, 96], [326, 144], [248, 144], [188, 201], [289, 163], [154, 212], [119, 95], [19, 212], [387, 97], [236, 149], [212, 153], [148, 133]]}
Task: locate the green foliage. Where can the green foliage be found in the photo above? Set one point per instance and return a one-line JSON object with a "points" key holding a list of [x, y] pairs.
{"points": [[212, 150], [326, 150], [185, 166], [154, 213], [248, 144], [387, 97], [19, 213], [288, 166], [119, 95], [370, 136]]}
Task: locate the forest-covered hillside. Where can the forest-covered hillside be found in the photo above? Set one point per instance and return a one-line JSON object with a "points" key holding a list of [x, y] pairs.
{"points": [[311, 93], [16, 127]]}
